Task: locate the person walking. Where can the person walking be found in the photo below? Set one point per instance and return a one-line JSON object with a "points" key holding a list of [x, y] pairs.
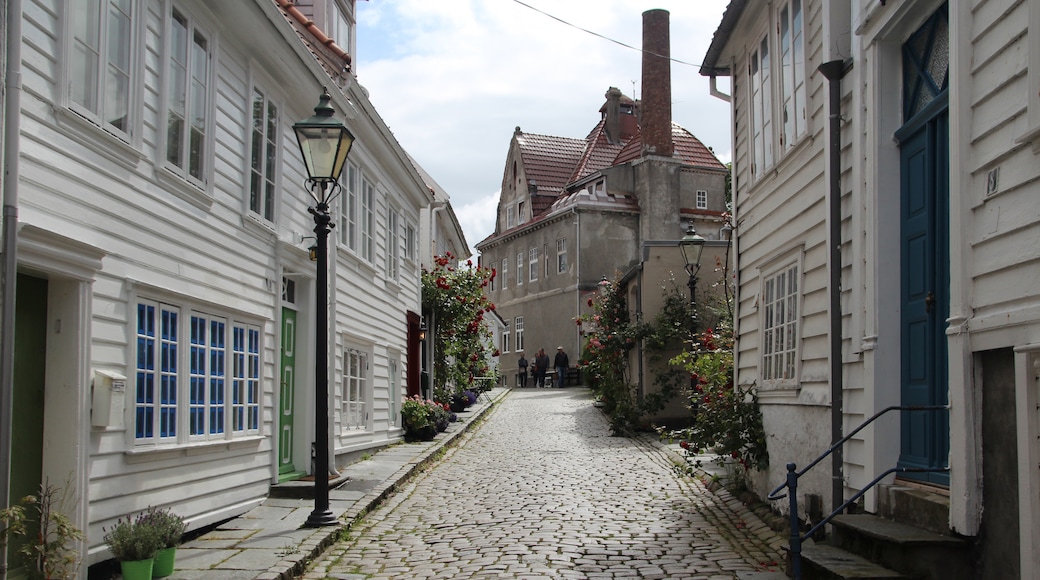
{"points": [[521, 373], [541, 365], [561, 362]]}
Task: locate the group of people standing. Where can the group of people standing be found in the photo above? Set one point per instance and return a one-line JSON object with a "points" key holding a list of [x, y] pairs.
{"points": [[540, 367]]}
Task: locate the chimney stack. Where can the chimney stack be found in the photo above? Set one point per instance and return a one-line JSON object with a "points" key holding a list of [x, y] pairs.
{"points": [[656, 107], [612, 116]]}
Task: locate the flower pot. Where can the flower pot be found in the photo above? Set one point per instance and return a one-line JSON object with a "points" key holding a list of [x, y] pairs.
{"points": [[137, 569], [458, 405], [427, 433], [164, 559]]}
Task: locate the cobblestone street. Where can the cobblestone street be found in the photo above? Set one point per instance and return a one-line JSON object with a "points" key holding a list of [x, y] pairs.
{"points": [[541, 490]]}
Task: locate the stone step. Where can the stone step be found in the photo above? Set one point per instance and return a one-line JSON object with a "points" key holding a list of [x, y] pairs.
{"points": [[825, 562], [916, 506], [907, 549], [302, 488]]}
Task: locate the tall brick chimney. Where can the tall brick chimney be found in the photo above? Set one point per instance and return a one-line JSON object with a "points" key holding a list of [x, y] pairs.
{"points": [[656, 108], [612, 115]]}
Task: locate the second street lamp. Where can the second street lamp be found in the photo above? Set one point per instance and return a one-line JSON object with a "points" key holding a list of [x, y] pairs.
{"points": [[691, 247], [324, 144]]}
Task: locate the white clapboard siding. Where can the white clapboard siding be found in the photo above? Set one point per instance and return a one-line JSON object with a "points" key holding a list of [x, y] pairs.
{"points": [[200, 248]]}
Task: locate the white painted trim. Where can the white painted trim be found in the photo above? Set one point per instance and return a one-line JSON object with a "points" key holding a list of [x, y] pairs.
{"points": [[1027, 399]]}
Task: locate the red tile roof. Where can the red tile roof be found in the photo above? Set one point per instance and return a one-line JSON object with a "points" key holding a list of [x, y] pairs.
{"points": [[332, 57], [692, 151], [548, 162], [687, 147], [598, 155]]}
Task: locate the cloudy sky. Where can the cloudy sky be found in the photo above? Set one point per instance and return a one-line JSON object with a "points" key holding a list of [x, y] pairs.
{"points": [[452, 79]]}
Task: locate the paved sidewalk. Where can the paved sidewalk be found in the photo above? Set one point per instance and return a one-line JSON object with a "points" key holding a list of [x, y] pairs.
{"points": [[268, 543]]}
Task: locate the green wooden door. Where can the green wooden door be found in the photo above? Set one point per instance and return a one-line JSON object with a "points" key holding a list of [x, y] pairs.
{"points": [[287, 396], [30, 344]]}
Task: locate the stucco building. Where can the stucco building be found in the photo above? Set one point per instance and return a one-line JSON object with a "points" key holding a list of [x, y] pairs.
{"points": [[573, 211]]}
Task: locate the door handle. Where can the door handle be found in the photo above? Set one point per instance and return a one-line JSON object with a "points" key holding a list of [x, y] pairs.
{"points": [[929, 300]]}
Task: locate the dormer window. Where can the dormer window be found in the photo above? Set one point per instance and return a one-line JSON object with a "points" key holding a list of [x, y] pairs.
{"points": [[520, 213]]}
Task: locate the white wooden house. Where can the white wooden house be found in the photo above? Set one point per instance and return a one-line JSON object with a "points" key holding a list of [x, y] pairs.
{"points": [[164, 336], [936, 136]]}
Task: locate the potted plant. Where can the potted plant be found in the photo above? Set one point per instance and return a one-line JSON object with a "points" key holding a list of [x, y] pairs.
{"points": [[417, 418], [133, 543], [169, 527], [440, 415], [43, 535]]}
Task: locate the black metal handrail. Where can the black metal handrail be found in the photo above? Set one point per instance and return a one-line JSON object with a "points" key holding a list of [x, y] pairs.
{"points": [[796, 538]]}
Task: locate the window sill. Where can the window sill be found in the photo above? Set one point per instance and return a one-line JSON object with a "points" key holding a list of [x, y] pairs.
{"points": [[183, 189], [1031, 135], [255, 223], [98, 140], [146, 454], [779, 391]]}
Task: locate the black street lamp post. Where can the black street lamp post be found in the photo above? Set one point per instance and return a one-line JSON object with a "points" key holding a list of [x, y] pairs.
{"points": [[691, 246], [324, 144]]}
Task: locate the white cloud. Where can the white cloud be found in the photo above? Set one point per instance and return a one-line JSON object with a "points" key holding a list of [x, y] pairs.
{"points": [[453, 79], [477, 217]]}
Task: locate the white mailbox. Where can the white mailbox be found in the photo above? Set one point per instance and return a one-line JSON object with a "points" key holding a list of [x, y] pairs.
{"points": [[109, 399]]}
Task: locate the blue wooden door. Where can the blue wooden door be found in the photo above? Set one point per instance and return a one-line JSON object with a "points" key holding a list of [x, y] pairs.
{"points": [[924, 157], [924, 149]]}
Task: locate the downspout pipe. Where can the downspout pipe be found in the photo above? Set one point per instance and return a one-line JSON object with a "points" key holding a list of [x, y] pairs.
{"points": [[12, 109], [834, 71]]}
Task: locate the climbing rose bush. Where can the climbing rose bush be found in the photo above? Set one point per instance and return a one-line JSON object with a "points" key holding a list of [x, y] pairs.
{"points": [[456, 297], [726, 417]]}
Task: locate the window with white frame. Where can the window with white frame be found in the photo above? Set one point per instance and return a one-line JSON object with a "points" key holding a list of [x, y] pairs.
{"points": [[518, 330], [1032, 132], [504, 273], [505, 342], [545, 261], [354, 401], [367, 218], [761, 109], [348, 206], [245, 379], [394, 382], [341, 24], [520, 268], [792, 73], [561, 255], [702, 199], [263, 157], [532, 264], [393, 247], [510, 218], [188, 82], [101, 71], [409, 240], [520, 217], [780, 326], [188, 387]]}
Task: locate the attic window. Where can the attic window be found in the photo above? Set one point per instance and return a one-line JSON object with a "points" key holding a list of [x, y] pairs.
{"points": [[520, 213]]}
